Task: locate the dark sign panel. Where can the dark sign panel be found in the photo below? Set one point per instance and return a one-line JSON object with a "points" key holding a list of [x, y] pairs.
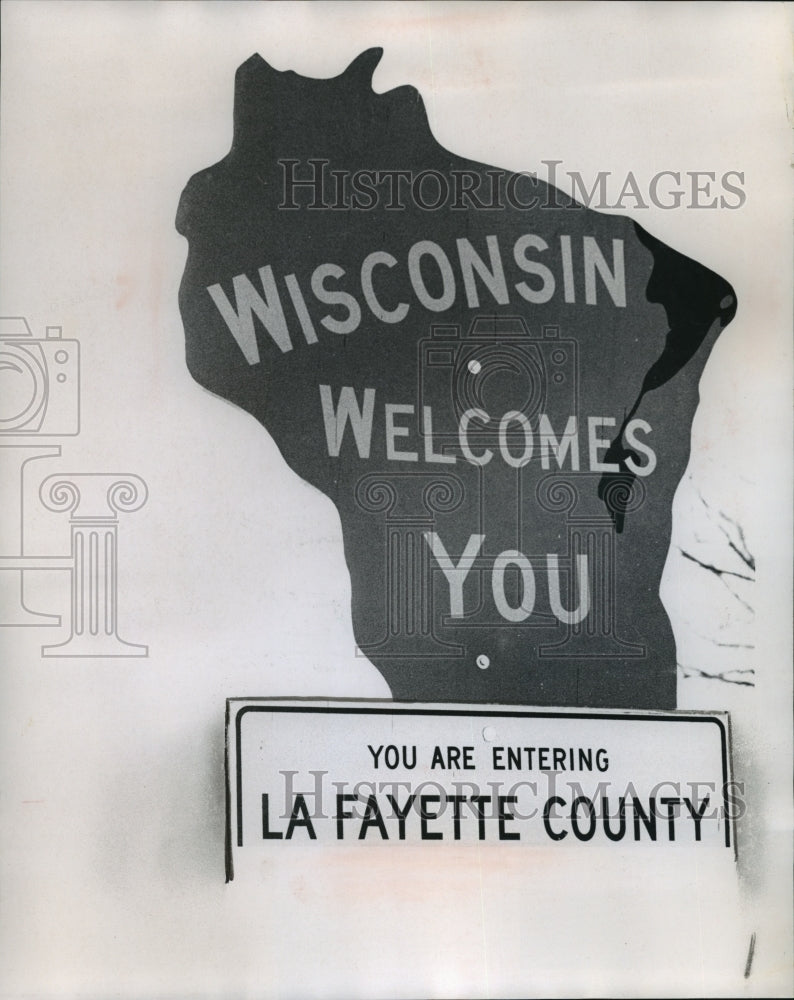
{"points": [[493, 383]]}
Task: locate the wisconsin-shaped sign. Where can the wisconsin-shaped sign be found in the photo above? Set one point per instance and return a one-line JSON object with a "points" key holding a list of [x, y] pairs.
{"points": [[494, 385]]}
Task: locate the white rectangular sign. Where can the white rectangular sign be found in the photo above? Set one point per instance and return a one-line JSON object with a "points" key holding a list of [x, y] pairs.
{"points": [[382, 775]]}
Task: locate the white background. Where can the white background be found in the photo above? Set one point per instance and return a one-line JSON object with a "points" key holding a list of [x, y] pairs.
{"points": [[233, 574]]}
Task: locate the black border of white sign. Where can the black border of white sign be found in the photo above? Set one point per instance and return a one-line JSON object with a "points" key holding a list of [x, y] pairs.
{"points": [[238, 708]]}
